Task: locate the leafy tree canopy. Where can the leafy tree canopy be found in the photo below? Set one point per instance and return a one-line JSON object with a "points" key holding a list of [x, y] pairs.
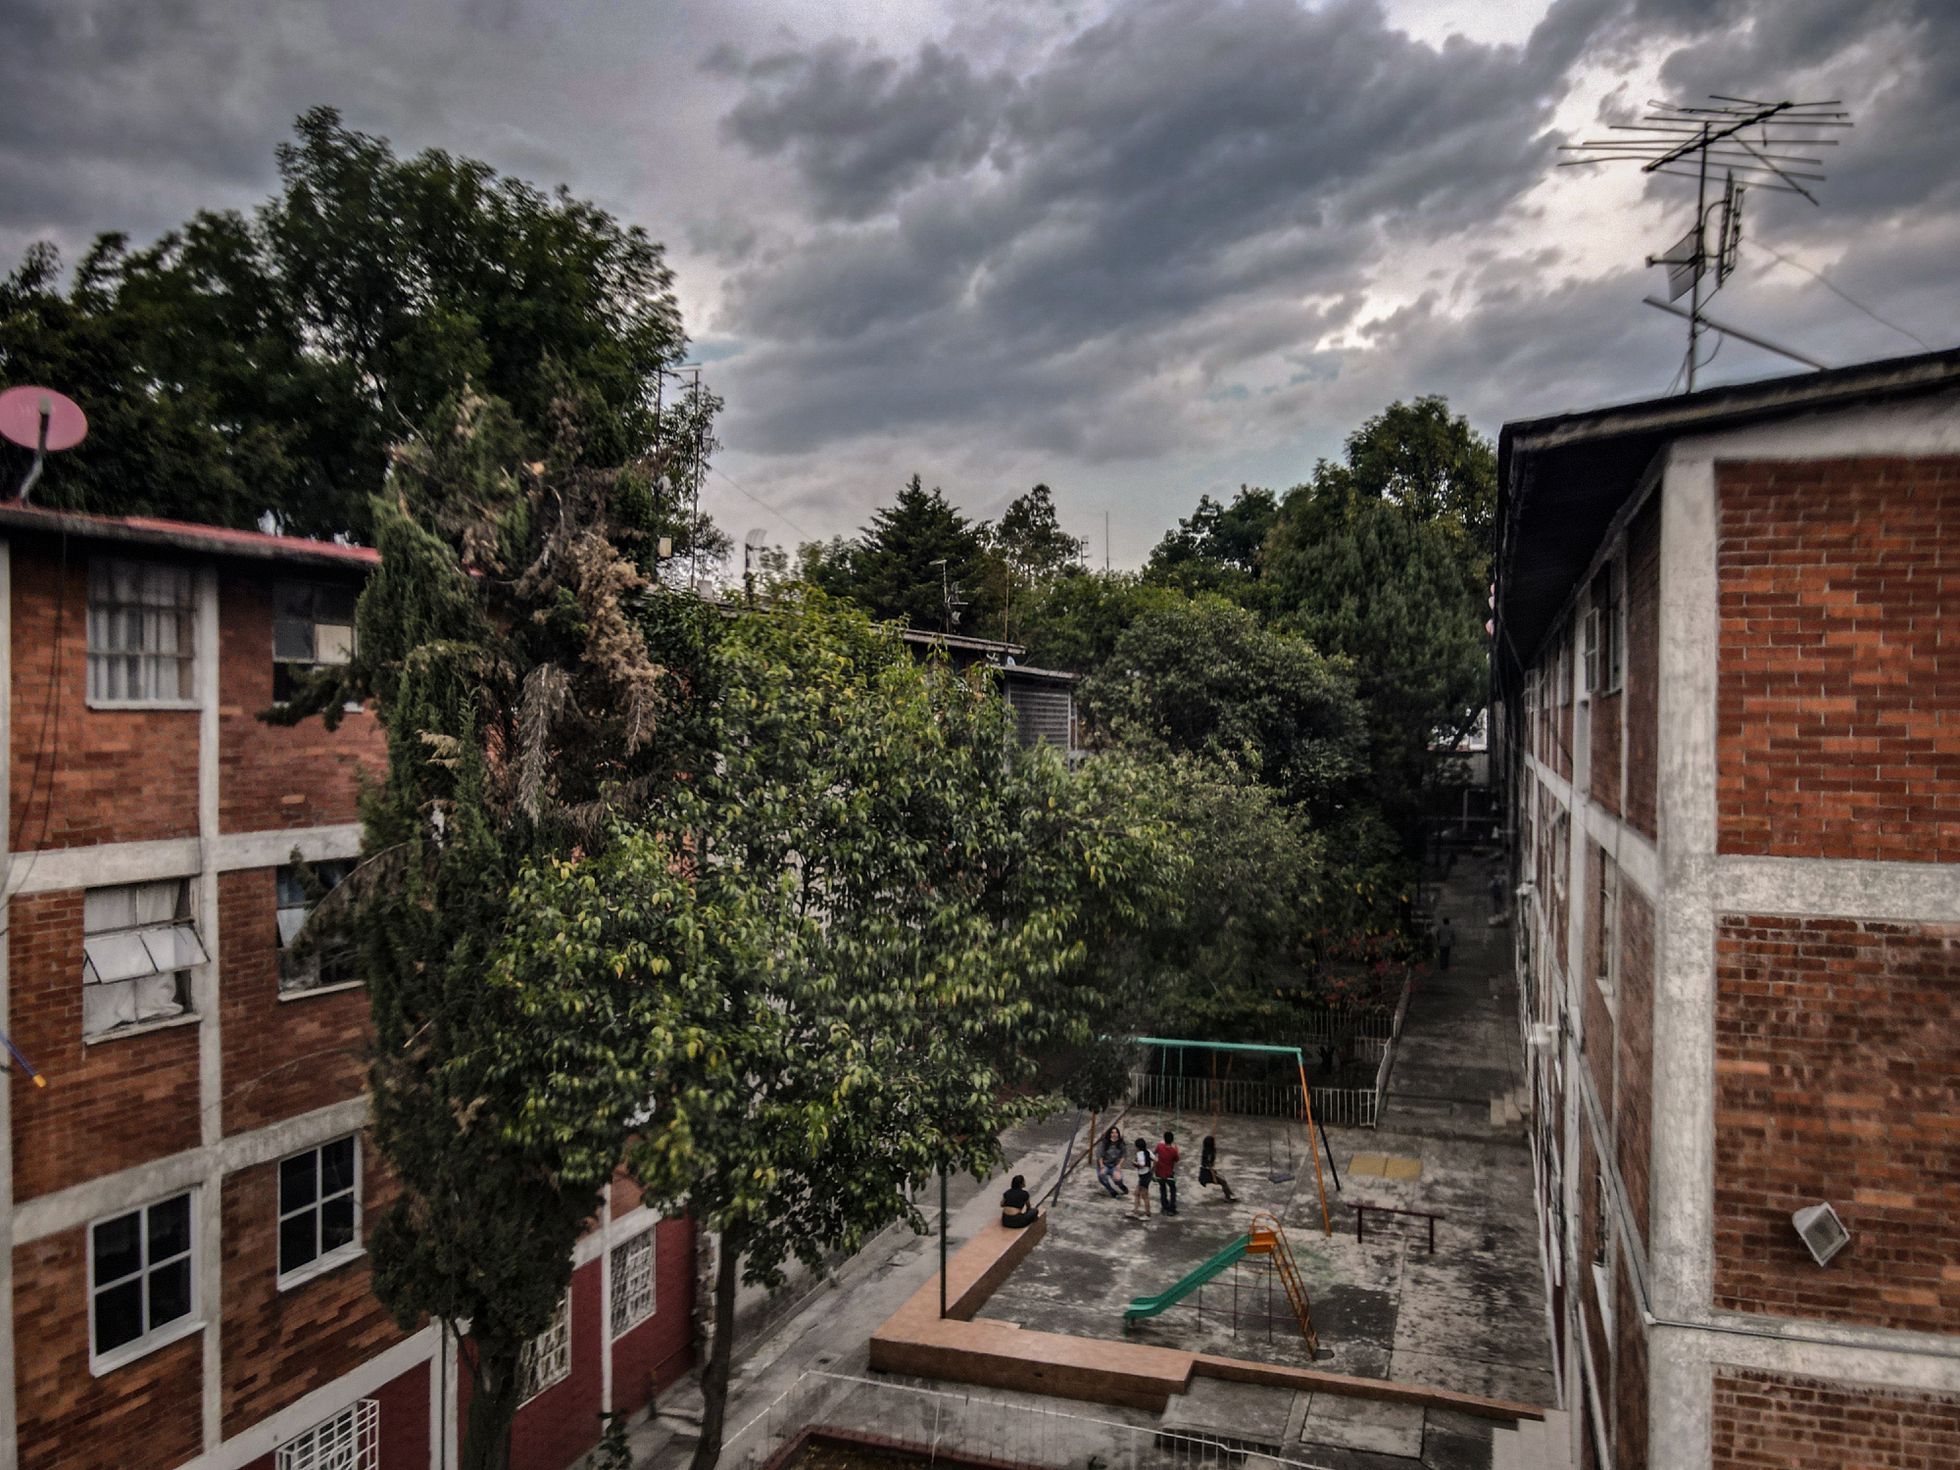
{"points": [[246, 365], [1219, 548], [1201, 676], [866, 923], [1073, 622]]}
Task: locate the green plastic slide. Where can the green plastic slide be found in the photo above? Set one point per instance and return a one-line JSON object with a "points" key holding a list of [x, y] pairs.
{"points": [[1150, 1306]]}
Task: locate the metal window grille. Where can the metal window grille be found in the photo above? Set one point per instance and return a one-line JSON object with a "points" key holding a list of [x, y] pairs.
{"points": [[547, 1357], [350, 1440], [141, 632], [632, 1282]]}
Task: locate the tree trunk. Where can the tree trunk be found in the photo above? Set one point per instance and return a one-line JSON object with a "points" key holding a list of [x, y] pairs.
{"points": [[493, 1404], [714, 1375]]}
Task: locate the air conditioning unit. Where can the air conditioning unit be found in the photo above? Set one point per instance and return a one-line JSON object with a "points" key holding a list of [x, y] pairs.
{"points": [[1821, 1231]]}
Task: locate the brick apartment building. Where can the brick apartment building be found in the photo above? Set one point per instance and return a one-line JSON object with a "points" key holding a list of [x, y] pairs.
{"points": [[182, 1206], [1729, 653]]}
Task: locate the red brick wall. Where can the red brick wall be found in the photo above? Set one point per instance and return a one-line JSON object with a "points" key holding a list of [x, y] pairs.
{"points": [[1643, 667], [1837, 1049], [320, 1055], [659, 1350], [108, 775], [1839, 694], [147, 1412], [1603, 773], [1769, 1421], [279, 1346], [1633, 1128], [562, 1423], [1579, 1278], [1629, 1376], [404, 1405], [108, 1105], [270, 775]]}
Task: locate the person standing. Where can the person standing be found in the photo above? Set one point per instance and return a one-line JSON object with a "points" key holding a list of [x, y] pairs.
{"points": [[1140, 1198], [1166, 1172], [1109, 1165], [1445, 941], [1496, 894]]}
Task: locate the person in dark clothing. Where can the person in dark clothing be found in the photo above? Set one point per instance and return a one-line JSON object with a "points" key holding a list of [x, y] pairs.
{"points": [[1165, 1171], [1445, 941], [1496, 894], [1017, 1209], [1109, 1165], [1208, 1168]]}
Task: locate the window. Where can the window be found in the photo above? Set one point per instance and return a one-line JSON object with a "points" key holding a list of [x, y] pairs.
{"points": [[319, 1207], [632, 1282], [1561, 852], [350, 1440], [312, 626], [309, 962], [141, 633], [1607, 961], [139, 1275], [1604, 635], [1602, 1219], [547, 1358], [138, 946]]}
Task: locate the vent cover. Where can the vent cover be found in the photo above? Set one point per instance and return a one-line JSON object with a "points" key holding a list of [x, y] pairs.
{"points": [[1822, 1231]]}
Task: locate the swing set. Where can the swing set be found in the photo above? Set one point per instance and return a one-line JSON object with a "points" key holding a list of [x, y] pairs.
{"points": [[1275, 1172]]}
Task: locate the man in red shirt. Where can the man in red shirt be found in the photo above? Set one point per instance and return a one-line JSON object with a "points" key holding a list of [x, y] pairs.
{"points": [[1165, 1171]]}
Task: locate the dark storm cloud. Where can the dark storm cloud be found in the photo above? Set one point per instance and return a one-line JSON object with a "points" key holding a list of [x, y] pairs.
{"points": [[1173, 161], [861, 127]]}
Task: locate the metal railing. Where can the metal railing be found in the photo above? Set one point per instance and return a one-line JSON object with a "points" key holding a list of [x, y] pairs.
{"points": [[939, 1421]]}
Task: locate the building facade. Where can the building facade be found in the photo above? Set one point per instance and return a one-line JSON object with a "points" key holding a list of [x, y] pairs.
{"points": [[1728, 645], [183, 1204]]}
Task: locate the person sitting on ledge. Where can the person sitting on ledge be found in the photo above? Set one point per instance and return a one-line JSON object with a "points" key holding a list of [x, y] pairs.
{"points": [[1017, 1210]]}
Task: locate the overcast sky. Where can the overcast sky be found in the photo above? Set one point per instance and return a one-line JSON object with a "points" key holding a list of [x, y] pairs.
{"points": [[1137, 249]]}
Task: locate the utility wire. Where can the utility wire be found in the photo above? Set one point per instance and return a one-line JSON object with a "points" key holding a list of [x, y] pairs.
{"points": [[1845, 295], [776, 511]]}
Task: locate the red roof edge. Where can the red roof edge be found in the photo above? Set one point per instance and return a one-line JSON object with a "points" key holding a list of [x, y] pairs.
{"points": [[184, 536]]}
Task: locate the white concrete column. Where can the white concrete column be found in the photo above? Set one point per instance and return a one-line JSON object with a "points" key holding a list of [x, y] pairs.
{"points": [[9, 1414], [204, 999]]}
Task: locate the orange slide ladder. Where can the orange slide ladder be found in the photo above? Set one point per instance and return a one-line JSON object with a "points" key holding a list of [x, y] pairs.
{"points": [[1269, 1238]]}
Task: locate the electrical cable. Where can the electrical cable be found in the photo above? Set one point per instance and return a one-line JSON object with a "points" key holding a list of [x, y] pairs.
{"points": [[779, 514], [1845, 295]]}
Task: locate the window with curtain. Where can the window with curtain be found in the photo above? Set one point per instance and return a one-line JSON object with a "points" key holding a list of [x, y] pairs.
{"points": [[142, 638], [312, 626], [139, 943]]}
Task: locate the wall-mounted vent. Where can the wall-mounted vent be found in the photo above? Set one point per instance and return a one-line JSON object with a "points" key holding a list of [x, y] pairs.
{"points": [[1821, 1231]]}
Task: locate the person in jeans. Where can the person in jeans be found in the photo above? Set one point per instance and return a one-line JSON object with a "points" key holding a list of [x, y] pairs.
{"points": [[1166, 1172], [1140, 1198], [1109, 1164]]}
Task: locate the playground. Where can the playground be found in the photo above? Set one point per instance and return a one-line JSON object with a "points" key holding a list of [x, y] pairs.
{"points": [[1469, 1318]]}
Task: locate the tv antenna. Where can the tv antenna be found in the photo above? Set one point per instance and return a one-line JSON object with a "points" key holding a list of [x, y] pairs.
{"points": [[1733, 145], [40, 419], [756, 542]]}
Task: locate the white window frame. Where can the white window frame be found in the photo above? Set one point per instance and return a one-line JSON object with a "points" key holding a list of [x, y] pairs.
{"points": [[348, 1440], [152, 1338], [323, 1261], [105, 615], [1608, 898], [1602, 1261], [627, 1290], [546, 1360], [342, 639], [153, 949], [294, 981]]}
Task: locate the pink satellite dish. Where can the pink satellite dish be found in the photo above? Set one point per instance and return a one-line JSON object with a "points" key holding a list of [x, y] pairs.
{"points": [[23, 409]]}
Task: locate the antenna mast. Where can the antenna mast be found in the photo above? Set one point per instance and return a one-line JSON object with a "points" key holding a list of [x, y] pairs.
{"points": [[1751, 143]]}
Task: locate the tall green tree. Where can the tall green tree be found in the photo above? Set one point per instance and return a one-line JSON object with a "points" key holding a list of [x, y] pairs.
{"points": [[1201, 676], [501, 643], [1218, 547], [246, 365], [1030, 550], [920, 562], [867, 921], [1384, 558], [1073, 622]]}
